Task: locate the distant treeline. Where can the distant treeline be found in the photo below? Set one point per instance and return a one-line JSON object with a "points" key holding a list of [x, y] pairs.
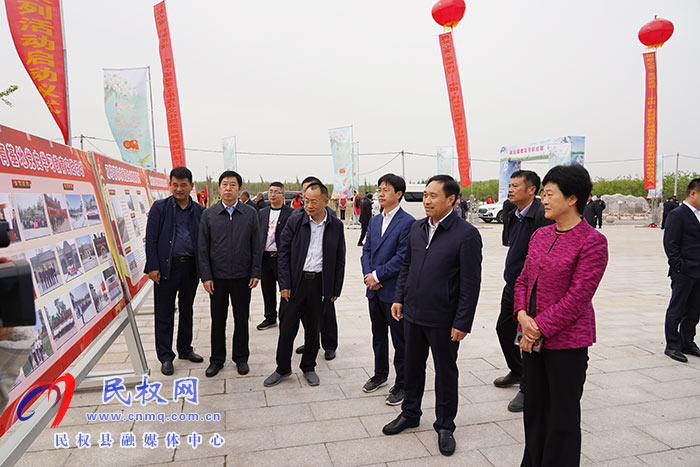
{"points": [[601, 186]]}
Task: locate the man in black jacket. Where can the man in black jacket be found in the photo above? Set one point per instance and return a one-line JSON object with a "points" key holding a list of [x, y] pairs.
{"points": [[682, 246], [436, 292], [365, 216], [230, 246], [171, 263], [311, 262], [272, 219], [601, 207], [670, 204], [523, 214]]}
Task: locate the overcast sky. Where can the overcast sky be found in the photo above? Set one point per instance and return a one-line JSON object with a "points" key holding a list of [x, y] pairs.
{"points": [[279, 74]]}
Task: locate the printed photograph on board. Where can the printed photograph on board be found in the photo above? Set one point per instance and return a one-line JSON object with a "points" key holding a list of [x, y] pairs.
{"points": [[47, 273], [98, 292], [69, 259], [41, 349], [133, 266], [101, 246], [112, 281], [92, 212], [32, 215], [59, 317], [58, 213], [7, 212], [75, 211], [120, 219], [87, 252], [82, 304]]}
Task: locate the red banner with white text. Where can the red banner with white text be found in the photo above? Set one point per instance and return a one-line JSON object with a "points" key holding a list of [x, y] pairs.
{"points": [[38, 37], [650, 122], [454, 91], [170, 96]]}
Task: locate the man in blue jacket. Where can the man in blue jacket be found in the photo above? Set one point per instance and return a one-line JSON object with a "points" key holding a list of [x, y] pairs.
{"points": [[171, 263], [382, 257], [311, 268], [436, 293]]}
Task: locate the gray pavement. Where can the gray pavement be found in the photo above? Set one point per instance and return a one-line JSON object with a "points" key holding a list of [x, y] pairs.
{"points": [[639, 407]]}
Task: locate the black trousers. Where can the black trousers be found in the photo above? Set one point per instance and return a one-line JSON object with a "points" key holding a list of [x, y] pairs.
{"points": [[552, 417], [183, 284], [363, 232], [238, 293], [419, 340], [683, 312], [305, 306], [268, 284], [506, 329], [382, 324], [329, 326]]}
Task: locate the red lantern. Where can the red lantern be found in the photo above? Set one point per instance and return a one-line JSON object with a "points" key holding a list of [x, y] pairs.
{"points": [[448, 13], [656, 32]]}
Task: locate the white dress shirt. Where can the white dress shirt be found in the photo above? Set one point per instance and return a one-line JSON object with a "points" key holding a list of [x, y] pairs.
{"points": [[431, 229], [314, 255], [386, 220], [693, 210]]}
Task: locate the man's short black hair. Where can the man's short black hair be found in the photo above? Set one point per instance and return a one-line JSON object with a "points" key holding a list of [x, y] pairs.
{"points": [[181, 173], [277, 184], [231, 173], [321, 186], [310, 179], [449, 185], [531, 178], [571, 180], [694, 185], [398, 183]]}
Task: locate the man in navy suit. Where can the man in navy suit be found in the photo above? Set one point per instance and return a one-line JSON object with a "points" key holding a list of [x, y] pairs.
{"points": [[382, 257], [311, 264], [682, 246], [272, 219], [437, 292]]}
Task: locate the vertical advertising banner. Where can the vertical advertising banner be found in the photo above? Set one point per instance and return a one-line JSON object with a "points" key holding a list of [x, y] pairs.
{"points": [[445, 158], [650, 121], [170, 96], [50, 198], [38, 37], [356, 166], [506, 169], [126, 107], [341, 151], [229, 146], [454, 92]]}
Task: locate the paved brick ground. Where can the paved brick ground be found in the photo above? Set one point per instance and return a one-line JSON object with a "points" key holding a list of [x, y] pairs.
{"points": [[639, 407]]}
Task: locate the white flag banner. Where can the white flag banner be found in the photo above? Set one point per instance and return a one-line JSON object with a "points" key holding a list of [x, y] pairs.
{"points": [[341, 151], [445, 158], [229, 145]]}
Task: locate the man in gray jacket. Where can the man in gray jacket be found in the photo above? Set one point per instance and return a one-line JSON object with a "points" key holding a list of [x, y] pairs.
{"points": [[230, 254]]}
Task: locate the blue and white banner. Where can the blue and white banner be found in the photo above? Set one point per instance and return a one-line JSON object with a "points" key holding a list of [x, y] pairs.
{"points": [[341, 151], [445, 160], [229, 147], [126, 107]]}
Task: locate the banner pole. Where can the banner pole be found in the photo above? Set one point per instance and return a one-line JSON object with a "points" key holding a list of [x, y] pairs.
{"points": [[65, 73], [153, 126]]}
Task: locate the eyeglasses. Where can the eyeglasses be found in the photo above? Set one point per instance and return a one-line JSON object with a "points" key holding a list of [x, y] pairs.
{"points": [[312, 202], [275, 192]]}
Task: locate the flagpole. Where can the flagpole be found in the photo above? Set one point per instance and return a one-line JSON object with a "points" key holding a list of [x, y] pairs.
{"points": [[153, 126], [65, 73]]}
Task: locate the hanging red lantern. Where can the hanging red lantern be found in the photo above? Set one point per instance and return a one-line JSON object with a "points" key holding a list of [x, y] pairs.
{"points": [[447, 13], [656, 32]]}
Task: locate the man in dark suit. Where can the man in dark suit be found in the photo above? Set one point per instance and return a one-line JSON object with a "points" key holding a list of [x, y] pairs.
{"points": [[590, 212], [669, 205], [245, 197], [365, 216], [311, 262], [601, 208], [272, 219], [171, 263], [682, 246], [523, 214], [436, 293], [230, 246], [382, 257], [329, 322]]}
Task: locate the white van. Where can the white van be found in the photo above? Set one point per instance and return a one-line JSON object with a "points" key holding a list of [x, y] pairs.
{"points": [[412, 201]]}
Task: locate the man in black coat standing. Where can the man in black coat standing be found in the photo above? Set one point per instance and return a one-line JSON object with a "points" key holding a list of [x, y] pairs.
{"points": [[171, 263], [436, 293], [669, 205], [523, 214], [272, 219], [311, 261], [365, 216], [682, 247]]}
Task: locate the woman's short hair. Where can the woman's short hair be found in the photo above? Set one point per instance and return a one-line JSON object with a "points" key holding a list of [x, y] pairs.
{"points": [[571, 180]]}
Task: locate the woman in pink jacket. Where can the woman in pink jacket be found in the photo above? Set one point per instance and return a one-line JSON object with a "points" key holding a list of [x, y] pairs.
{"points": [[552, 303]]}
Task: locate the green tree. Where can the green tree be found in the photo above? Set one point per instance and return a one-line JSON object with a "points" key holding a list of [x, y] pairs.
{"points": [[4, 94]]}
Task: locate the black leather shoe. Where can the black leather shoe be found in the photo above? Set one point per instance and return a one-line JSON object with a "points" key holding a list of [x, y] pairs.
{"points": [[329, 354], [167, 368], [446, 442], [506, 381], [518, 403], [300, 349], [399, 424], [242, 368], [193, 357], [692, 351], [213, 369], [677, 355]]}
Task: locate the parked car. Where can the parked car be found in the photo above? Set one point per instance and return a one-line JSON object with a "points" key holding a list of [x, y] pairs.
{"points": [[288, 196], [491, 212], [412, 201]]}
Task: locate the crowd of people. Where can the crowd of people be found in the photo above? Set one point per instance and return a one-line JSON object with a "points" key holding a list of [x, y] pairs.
{"points": [[422, 280]]}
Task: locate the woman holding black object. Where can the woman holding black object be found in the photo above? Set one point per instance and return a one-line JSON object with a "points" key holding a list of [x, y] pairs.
{"points": [[552, 296]]}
